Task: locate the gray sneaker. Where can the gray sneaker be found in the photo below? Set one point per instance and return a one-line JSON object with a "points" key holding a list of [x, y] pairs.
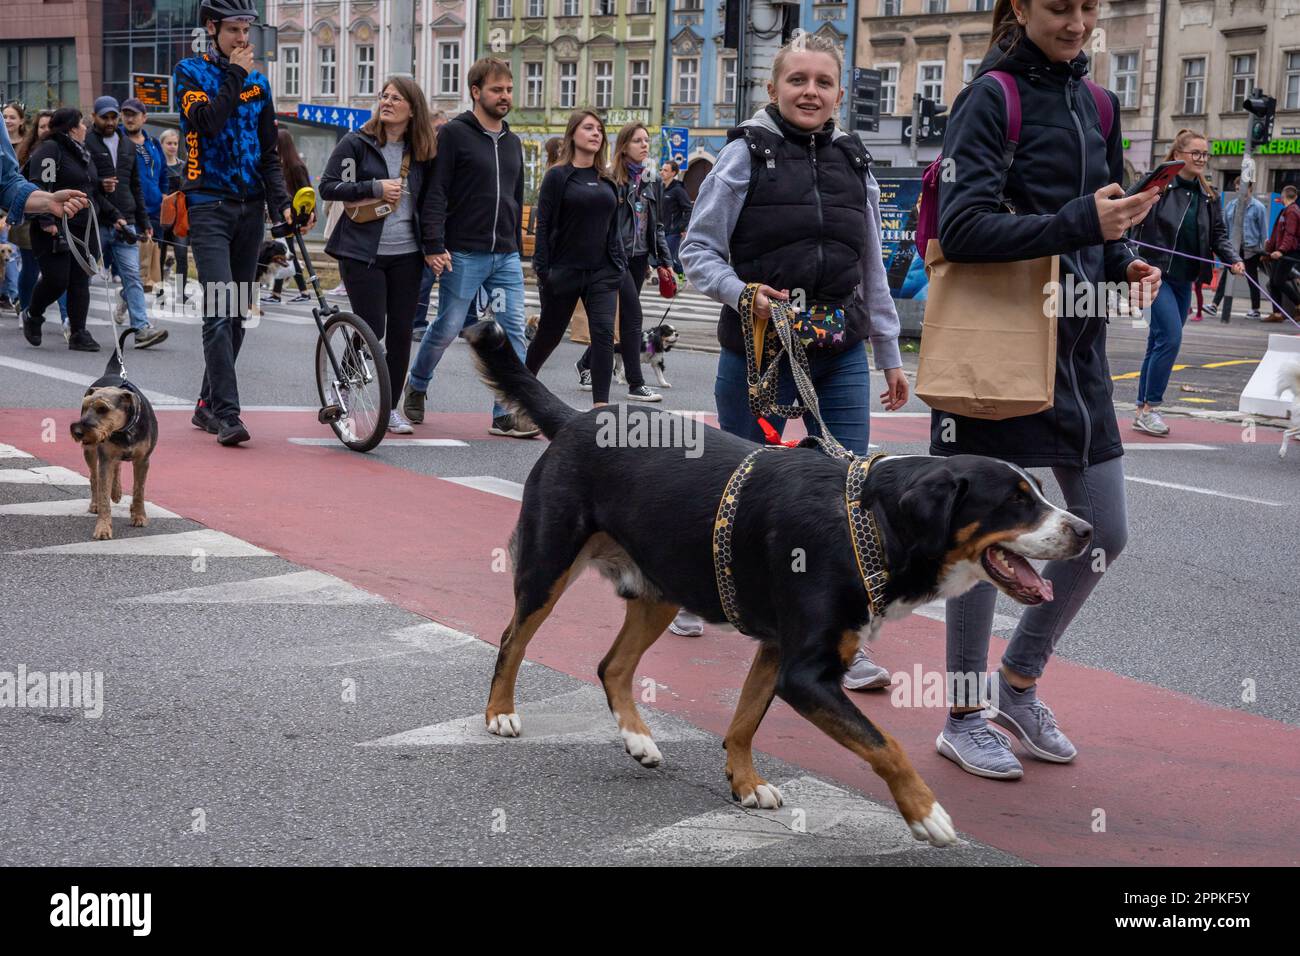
{"points": [[413, 405], [865, 674], [687, 624], [977, 748], [1032, 721], [1151, 422], [149, 335]]}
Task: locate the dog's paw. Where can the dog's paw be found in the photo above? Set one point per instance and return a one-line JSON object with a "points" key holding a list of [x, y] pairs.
{"points": [[936, 828], [763, 796], [642, 748], [139, 520], [505, 725], [103, 531], [91, 509]]}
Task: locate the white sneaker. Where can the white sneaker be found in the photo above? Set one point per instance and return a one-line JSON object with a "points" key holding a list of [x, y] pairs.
{"points": [[1253, 314], [399, 425], [687, 624], [1151, 422], [865, 674]]}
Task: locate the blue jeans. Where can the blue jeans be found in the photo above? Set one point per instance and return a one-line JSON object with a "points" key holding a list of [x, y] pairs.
{"points": [[842, 381], [1095, 494], [11, 271], [457, 290], [422, 303], [124, 259], [1164, 338], [674, 240]]}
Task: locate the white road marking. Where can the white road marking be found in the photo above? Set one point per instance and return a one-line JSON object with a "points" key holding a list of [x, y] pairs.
{"points": [[816, 818], [297, 587], [76, 378], [42, 475], [493, 485], [9, 451], [393, 443], [1203, 491], [212, 544], [65, 507], [578, 717], [428, 638]]}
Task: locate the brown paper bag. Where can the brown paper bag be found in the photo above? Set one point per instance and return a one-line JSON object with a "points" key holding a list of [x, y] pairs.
{"points": [[988, 341], [580, 331], [150, 264]]}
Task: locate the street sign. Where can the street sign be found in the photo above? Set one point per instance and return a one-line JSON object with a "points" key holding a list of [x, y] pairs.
{"points": [[864, 105], [676, 144], [931, 130], [154, 90], [334, 115]]}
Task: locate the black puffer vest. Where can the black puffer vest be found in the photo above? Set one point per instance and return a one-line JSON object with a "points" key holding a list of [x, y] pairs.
{"points": [[802, 226]]}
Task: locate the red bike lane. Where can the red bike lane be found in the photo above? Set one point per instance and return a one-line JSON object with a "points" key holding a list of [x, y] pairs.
{"points": [[1162, 778]]}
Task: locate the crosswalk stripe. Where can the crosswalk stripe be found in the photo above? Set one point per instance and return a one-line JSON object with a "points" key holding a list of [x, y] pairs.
{"points": [[66, 507], [206, 543], [63, 375], [43, 475], [297, 587]]}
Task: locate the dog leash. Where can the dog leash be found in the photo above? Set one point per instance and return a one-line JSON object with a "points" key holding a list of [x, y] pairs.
{"points": [[81, 253], [1187, 255]]}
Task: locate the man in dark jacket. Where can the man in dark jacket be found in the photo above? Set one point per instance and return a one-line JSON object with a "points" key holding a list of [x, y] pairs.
{"points": [[477, 202], [114, 156], [1283, 249], [677, 207]]}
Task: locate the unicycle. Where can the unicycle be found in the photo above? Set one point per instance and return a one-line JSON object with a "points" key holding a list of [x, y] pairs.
{"points": [[351, 372]]}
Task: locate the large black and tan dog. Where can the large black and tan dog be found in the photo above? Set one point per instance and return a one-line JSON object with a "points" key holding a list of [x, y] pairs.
{"points": [[117, 423], [947, 524]]}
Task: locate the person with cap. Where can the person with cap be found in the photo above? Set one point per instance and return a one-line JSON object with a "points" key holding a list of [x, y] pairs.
{"points": [[150, 163], [118, 179], [232, 172]]}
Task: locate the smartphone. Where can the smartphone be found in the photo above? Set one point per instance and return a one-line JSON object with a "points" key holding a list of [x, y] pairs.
{"points": [[1160, 177]]}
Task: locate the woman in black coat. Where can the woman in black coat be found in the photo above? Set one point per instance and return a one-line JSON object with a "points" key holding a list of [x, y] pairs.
{"points": [[389, 161], [1063, 191], [1187, 219], [61, 161]]}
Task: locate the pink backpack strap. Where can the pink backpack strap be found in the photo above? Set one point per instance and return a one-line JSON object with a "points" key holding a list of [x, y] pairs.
{"points": [[1105, 108], [1010, 101]]}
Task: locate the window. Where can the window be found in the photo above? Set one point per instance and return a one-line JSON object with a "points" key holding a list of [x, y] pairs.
{"points": [[727, 76], [689, 5], [326, 67], [604, 8], [1194, 85], [688, 80], [1124, 78], [1243, 77], [365, 71], [536, 8], [501, 10], [981, 6], [929, 80], [891, 8], [533, 85], [968, 68], [291, 78], [571, 8], [604, 83], [1291, 81], [638, 72], [448, 67], [640, 7], [42, 74], [568, 84], [888, 88], [936, 6]]}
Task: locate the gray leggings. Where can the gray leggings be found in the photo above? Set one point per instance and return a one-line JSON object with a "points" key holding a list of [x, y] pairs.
{"points": [[1095, 494]]}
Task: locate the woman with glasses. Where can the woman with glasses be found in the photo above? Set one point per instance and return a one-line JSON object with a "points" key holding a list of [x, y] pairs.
{"points": [[1188, 221], [388, 163]]}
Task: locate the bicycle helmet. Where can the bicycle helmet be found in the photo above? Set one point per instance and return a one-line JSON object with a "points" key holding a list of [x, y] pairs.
{"points": [[227, 10]]}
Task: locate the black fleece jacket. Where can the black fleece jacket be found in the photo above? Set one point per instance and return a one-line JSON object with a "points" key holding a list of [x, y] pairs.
{"points": [[550, 208], [1061, 160], [477, 188], [126, 197]]}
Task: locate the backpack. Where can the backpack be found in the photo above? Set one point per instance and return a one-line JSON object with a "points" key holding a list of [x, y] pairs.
{"points": [[927, 226]]}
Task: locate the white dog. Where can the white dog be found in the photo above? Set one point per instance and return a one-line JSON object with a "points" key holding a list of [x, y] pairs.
{"points": [[1289, 378]]}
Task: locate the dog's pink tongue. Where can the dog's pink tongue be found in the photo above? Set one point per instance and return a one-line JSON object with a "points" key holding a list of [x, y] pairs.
{"points": [[1030, 579]]}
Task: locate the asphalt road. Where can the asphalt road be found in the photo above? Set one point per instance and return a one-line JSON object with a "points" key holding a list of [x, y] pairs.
{"points": [[268, 708]]}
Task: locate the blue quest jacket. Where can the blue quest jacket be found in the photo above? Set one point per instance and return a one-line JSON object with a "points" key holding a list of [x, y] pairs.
{"points": [[228, 133]]}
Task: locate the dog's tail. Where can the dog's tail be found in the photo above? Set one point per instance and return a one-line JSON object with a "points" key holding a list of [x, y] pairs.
{"points": [[501, 370], [114, 366]]}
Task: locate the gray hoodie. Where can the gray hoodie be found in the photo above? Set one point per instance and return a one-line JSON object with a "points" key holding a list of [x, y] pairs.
{"points": [[706, 255]]}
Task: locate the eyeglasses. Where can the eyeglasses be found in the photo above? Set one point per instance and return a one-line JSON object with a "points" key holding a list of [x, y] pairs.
{"points": [[1199, 155], [392, 98]]}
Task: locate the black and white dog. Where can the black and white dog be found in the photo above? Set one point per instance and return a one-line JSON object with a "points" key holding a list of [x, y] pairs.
{"points": [[655, 343]]}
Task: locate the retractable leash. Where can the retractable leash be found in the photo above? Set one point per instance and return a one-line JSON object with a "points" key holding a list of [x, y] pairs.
{"points": [[1187, 255], [93, 264]]}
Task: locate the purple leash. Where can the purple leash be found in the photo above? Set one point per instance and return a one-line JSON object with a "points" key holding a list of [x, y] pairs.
{"points": [[1187, 255]]}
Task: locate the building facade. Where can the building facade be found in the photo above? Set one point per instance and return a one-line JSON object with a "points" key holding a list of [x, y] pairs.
{"points": [[337, 52], [1215, 53]]}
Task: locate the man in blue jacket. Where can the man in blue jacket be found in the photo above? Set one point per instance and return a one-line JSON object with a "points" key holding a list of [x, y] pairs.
{"points": [[1254, 233], [150, 163]]}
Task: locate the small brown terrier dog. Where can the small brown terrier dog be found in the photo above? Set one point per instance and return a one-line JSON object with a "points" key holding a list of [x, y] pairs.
{"points": [[117, 422]]}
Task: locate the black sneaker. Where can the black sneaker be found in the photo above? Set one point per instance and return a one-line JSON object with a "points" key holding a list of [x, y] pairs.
{"points": [[642, 393], [232, 432], [413, 405], [584, 378], [149, 335], [510, 427], [301, 297], [83, 341], [31, 328], [203, 418], [1210, 309]]}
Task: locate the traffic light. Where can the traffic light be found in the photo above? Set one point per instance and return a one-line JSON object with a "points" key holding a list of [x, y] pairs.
{"points": [[864, 105], [1262, 108], [930, 109]]}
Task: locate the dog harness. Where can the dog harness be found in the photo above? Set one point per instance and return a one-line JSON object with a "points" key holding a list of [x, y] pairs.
{"points": [[868, 546]]}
